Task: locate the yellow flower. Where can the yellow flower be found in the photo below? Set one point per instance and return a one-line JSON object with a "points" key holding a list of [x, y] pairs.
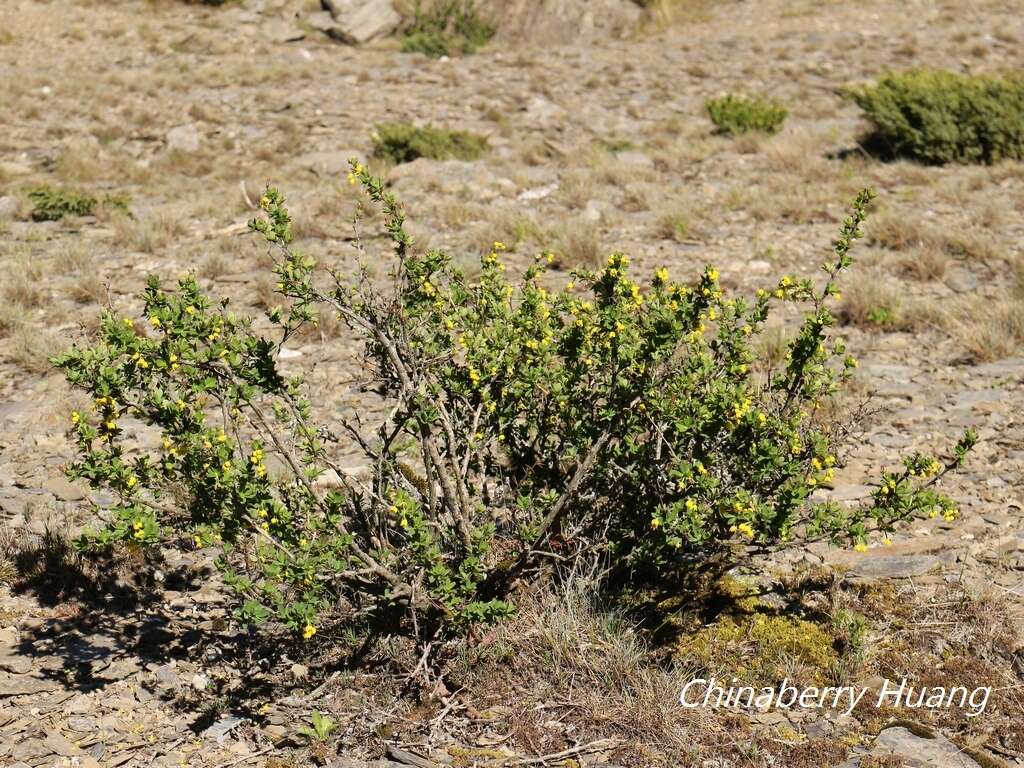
{"points": [[128, 322], [661, 275], [691, 505], [712, 274], [655, 523], [860, 546], [111, 425], [887, 542], [132, 481], [745, 529], [309, 631], [155, 322], [75, 417], [190, 310]]}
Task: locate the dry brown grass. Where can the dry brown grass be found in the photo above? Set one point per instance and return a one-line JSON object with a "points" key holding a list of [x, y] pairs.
{"points": [[23, 286], [31, 349], [870, 299], [900, 230], [989, 328], [577, 187], [924, 263], [149, 233], [579, 245]]}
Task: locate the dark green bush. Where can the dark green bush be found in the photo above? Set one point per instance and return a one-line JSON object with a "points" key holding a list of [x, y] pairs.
{"points": [[404, 142], [941, 117], [54, 204], [733, 115], [446, 28]]}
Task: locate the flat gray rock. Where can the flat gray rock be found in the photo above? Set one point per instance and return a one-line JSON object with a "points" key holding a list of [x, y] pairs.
{"points": [[939, 751], [358, 21], [64, 489], [894, 566], [23, 685]]}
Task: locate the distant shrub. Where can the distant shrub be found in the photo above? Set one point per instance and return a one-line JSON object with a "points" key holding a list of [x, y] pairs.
{"points": [[404, 142], [446, 28], [54, 204], [941, 117], [733, 115]]}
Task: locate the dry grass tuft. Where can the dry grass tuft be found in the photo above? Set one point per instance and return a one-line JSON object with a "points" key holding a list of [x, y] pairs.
{"points": [[599, 660], [31, 349], [924, 263], [24, 285], [871, 300], [579, 245], [989, 328]]}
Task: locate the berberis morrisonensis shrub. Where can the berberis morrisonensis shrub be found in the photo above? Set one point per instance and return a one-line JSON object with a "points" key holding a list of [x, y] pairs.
{"points": [[524, 424]]}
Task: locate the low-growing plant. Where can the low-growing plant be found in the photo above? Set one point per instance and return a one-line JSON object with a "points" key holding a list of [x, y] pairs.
{"points": [[445, 28], [941, 117], [51, 204], [523, 425], [321, 728], [734, 115], [403, 143]]}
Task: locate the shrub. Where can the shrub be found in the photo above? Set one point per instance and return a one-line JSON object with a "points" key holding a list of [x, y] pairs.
{"points": [[403, 143], [524, 424], [733, 115], [941, 117], [54, 204], [445, 28]]}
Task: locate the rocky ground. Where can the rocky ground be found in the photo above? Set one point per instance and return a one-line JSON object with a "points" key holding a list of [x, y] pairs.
{"points": [[596, 143]]}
